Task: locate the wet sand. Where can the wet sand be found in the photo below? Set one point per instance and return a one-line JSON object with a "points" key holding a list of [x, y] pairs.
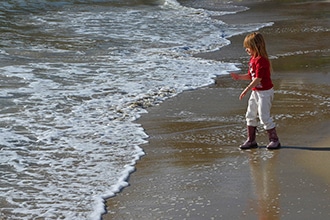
{"points": [[193, 168]]}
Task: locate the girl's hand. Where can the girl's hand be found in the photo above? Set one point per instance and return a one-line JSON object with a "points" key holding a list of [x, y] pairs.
{"points": [[234, 76], [242, 94], [253, 84]]}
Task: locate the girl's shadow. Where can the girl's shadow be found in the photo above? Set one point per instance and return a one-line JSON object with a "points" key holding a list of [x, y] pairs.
{"points": [[307, 148]]}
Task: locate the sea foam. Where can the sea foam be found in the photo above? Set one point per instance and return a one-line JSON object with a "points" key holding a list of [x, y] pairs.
{"points": [[72, 87]]}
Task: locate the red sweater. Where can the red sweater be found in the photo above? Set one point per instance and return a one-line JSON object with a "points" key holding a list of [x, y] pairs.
{"points": [[259, 67]]}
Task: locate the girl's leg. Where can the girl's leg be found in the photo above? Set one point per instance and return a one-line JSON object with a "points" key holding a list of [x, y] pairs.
{"points": [[265, 104], [274, 143], [251, 140], [252, 110], [251, 119]]}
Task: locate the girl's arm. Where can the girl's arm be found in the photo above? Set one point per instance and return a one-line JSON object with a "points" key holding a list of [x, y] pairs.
{"points": [[236, 76], [253, 84]]}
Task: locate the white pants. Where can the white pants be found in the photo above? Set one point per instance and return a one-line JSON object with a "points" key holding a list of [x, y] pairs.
{"points": [[259, 105]]}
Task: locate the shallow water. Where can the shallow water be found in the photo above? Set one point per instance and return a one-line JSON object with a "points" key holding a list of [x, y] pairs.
{"points": [[73, 77], [193, 168]]}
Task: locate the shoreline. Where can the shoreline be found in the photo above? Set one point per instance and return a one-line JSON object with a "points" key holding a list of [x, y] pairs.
{"points": [[193, 168]]}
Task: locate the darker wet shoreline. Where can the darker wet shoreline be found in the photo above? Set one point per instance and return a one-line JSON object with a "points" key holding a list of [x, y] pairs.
{"points": [[193, 168]]}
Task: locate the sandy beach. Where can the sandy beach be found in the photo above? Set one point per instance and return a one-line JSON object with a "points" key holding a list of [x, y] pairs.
{"points": [[193, 168]]}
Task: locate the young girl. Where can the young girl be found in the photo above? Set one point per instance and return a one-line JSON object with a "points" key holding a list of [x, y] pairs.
{"points": [[260, 101]]}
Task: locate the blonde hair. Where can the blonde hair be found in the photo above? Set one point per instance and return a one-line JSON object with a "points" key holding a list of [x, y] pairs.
{"points": [[255, 41]]}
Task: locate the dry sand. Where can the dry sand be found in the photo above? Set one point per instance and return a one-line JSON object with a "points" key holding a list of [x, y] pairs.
{"points": [[193, 168]]}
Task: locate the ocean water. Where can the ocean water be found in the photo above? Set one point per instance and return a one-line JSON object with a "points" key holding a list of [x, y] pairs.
{"points": [[74, 76]]}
